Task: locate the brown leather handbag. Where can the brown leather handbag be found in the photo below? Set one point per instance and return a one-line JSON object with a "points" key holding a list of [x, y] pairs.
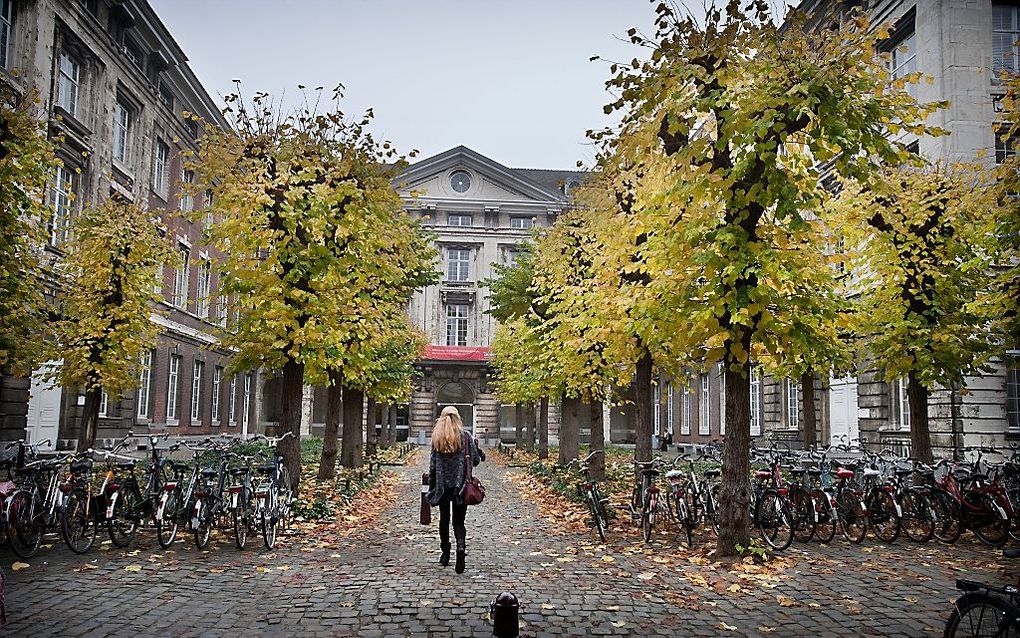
{"points": [[473, 492]]}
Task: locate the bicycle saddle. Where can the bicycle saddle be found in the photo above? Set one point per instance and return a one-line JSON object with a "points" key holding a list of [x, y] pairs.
{"points": [[266, 468], [210, 472], [674, 474], [762, 474], [177, 466], [713, 473], [844, 473], [972, 477], [126, 465], [83, 465]]}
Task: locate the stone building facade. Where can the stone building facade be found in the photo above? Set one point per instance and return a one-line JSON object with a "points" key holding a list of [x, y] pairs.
{"points": [[960, 44], [114, 89]]}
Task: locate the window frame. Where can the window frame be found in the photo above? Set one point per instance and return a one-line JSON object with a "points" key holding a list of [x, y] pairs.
{"points": [[104, 404], [460, 217], [186, 203], [232, 402], [214, 398], [204, 292], [1012, 383], [182, 277], [197, 381], [756, 402], [457, 325], [144, 386], [685, 412], [670, 412], [705, 407], [6, 33], [792, 397], [68, 87], [900, 404], [246, 402], [173, 393], [1010, 35], [520, 222], [122, 131], [161, 168], [62, 204], [458, 264]]}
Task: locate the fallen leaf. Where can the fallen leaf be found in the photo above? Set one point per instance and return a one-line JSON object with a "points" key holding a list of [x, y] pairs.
{"points": [[133, 568], [724, 626], [17, 567]]}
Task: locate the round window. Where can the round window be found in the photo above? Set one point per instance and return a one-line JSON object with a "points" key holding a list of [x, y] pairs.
{"points": [[460, 181]]}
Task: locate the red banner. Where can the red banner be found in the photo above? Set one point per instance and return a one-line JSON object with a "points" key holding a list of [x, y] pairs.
{"points": [[456, 353]]}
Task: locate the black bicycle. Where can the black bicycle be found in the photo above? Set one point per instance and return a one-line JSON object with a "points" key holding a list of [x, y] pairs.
{"points": [[591, 493], [985, 611]]}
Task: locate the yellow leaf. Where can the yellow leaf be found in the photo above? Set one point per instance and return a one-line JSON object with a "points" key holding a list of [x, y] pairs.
{"points": [[724, 626], [17, 567], [133, 568]]}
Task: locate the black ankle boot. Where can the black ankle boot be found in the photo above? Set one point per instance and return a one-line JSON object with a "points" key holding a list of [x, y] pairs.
{"points": [[461, 551], [444, 559]]}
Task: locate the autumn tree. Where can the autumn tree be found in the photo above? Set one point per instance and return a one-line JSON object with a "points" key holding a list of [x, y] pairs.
{"points": [[110, 281], [26, 159], [916, 244], [297, 202], [1001, 302], [723, 129]]}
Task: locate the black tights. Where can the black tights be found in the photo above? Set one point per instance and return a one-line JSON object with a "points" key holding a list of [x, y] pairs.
{"points": [[459, 512]]}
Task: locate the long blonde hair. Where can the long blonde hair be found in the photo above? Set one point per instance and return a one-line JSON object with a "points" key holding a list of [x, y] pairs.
{"points": [[447, 434]]}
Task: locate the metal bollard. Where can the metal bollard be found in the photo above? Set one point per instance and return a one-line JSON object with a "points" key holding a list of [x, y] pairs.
{"points": [[504, 611]]}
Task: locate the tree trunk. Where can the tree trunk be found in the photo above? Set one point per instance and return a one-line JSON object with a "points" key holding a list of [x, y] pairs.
{"points": [[920, 437], [392, 430], [519, 425], [543, 428], [529, 427], [734, 496], [350, 447], [370, 436], [327, 463], [568, 430], [290, 418], [598, 442], [384, 430], [643, 408], [807, 397], [89, 419]]}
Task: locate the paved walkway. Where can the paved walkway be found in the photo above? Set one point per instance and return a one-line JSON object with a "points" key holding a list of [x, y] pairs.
{"points": [[385, 581]]}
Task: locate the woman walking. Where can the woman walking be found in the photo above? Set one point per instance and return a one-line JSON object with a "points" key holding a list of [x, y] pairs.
{"points": [[447, 474]]}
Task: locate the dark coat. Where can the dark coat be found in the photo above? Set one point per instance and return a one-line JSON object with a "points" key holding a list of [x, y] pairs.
{"points": [[449, 471]]}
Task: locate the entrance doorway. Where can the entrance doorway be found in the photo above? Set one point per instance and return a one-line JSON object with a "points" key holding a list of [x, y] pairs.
{"points": [[843, 417], [44, 407], [460, 396]]}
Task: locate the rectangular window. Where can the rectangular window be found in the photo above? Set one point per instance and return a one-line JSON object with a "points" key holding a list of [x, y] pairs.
{"points": [[68, 84], [1013, 393], [459, 220], [181, 276], [901, 404], [685, 412], [209, 219], [456, 325], [522, 223], [187, 203], [458, 264], [172, 386], [204, 288], [669, 408], [704, 424], [792, 404], [902, 52], [755, 402], [6, 22], [144, 381], [104, 404], [1005, 144], [221, 310], [161, 168], [1005, 33], [232, 401], [217, 378], [247, 401], [121, 132], [656, 408], [62, 201], [196, 392]]}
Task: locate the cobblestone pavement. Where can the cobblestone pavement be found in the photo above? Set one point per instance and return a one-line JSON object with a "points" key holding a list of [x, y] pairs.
{"points": [[385, 581]]}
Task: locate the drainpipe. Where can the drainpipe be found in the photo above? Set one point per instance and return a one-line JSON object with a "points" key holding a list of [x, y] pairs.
{"points": [[954, 410]]}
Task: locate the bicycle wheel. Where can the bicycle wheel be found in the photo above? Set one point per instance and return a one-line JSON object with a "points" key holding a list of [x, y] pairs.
{"points": [[269, 521], [948, 526], [774, 520], [25, 527], [239, 515], [635, 505], [284, 498], [805, 521], [712, 508], [123, 525], [167, 517], [825, 513], [596, 515], [1013, 495], [853, 516], [648, 518], [918, 517], [683, 517], [980, 615], [78, 525], [204, 518], [991, 523], [883, 516]]}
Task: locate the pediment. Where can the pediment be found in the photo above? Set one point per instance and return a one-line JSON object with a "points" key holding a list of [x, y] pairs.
{"points": [[489, 180]]}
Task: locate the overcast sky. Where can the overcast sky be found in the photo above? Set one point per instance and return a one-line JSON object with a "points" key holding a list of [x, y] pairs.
{"points": [[509, 78]]}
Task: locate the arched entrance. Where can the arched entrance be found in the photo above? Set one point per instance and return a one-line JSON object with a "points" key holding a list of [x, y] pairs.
{"points": [[460, 396]]}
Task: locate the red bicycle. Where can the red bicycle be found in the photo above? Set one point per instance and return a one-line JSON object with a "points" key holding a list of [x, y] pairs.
{"points": [[976, 503]]}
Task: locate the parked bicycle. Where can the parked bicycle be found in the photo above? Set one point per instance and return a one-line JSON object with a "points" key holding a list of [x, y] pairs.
{"points": [[985, 611], [591, 494]]}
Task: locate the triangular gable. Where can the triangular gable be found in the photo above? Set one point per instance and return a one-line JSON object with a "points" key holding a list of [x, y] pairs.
{"points": [[424, 177]]}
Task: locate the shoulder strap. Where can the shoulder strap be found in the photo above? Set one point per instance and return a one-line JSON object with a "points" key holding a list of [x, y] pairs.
{"points": [[467, 456]]}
